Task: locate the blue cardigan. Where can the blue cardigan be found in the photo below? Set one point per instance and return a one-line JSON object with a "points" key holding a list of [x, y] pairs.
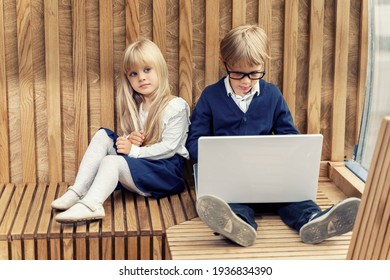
{"points": [[216, 114]]}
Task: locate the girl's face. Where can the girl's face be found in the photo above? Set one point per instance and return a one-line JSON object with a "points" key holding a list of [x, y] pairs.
{"points": [[242, 86], [143, 79]]}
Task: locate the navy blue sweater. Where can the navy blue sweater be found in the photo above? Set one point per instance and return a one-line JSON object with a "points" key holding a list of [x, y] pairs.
{"points": [[216, 114]]}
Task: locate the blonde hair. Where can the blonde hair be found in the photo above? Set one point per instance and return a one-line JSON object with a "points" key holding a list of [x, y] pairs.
{"points": [[245, 44], [143, 51]]}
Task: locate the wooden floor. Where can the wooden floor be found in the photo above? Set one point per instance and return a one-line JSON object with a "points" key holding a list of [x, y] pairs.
{"points": [[194, 240]]}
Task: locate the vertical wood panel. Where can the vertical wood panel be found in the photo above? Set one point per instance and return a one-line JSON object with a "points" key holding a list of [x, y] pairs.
{"points": [[363, 62], [290, 54], [80, 79], [238, 12], [4, 132], [185, 50], [315, 66], [53, 85], [26, 87], [160, 24], [265, 22], [211, 55], [132, 20], [106, 65], [340, 80], [374, 204]]}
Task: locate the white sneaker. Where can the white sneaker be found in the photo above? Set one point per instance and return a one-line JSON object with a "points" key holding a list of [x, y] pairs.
{"points": [[334, 221], [218, 215], [81, 211], [67, 200]]}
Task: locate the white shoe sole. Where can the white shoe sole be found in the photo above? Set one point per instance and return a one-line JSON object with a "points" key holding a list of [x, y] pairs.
{"points": [[218, 215], [339, 220]]}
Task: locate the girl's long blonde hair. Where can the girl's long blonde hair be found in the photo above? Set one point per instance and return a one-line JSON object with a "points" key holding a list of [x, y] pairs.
{"points": [[143, 52]]}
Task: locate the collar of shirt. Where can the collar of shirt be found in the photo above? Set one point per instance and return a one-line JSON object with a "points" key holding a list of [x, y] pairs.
{"points": [[229, 91]]}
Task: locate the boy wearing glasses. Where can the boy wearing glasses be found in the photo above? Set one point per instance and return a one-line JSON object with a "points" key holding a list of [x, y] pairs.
{"points": [[243, 104]]}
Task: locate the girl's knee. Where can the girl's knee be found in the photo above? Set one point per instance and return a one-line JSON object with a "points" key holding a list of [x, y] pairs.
{"points": [[113, 161]]}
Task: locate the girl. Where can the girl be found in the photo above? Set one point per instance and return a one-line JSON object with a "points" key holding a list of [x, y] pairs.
{"points": [[149, 158]]}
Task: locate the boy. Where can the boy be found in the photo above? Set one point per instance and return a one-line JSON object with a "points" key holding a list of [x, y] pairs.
{"points": [[243, 104]]}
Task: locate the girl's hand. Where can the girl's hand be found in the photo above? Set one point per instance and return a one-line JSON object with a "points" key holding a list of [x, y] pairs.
{"points": [[123, 145], [136, 138]]}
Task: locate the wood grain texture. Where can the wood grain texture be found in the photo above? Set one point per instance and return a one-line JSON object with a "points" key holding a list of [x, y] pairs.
{"points": [[238, 12], [370, 239], [53, 85], [290, 54], [185, 51], [80, 80], [265, 22], [160, 24], [132, 20], [211, 55], [4, 129], [106, 65], [315, 66], [340, 80], [26, 87]]}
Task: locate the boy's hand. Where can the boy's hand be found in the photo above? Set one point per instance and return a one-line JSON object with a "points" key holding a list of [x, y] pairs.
{"points": [[136, 137], [123, 145]]}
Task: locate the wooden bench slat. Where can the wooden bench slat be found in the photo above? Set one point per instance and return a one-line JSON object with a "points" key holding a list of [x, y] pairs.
{"points": [[5, 199], [119, 226], [35, 212], [107, 231], [167, 213], [21, 217], [155, 216], [177, 209], [143, 216]]}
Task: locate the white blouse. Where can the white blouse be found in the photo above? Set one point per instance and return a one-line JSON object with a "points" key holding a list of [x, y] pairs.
{"points": [[176, 120]]}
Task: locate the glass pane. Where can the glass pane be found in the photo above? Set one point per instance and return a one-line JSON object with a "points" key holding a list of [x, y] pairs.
{"points": [[377, 99]]}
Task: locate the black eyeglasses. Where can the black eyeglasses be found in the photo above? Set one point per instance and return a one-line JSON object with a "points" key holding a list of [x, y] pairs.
{"points": [[255, 75]]}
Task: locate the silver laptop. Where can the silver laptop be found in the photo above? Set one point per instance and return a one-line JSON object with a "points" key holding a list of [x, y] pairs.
{"points": [[259, 169]]}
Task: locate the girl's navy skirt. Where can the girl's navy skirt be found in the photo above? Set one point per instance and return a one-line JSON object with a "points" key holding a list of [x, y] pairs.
{"points": [[160, 177]]}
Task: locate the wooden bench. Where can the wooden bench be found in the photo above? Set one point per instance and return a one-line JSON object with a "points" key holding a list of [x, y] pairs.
{"points": [[134, 226]]}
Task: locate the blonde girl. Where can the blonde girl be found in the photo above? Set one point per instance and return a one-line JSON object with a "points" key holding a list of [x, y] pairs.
{"points": [[148, 159]]}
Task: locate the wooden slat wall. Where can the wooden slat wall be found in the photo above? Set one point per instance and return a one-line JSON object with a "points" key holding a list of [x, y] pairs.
{"points": [[59, 61]]}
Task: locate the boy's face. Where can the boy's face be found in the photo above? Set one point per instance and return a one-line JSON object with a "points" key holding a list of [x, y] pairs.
{"points": [[243, 86]]}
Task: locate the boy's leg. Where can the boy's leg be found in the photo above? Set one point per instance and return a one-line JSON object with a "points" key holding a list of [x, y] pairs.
{"points": [[100, 146], [112, 169], [239, 227], [315, 225]]}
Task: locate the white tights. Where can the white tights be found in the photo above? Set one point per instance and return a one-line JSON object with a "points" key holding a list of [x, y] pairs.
{"points": [[101, 169]]}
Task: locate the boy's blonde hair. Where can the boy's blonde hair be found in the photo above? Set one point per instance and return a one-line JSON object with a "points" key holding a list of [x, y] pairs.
{"points": [[246, 44], [143, 52]]}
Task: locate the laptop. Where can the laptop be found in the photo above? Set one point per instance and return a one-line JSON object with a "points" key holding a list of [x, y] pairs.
{"points": [[259, 169]]}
